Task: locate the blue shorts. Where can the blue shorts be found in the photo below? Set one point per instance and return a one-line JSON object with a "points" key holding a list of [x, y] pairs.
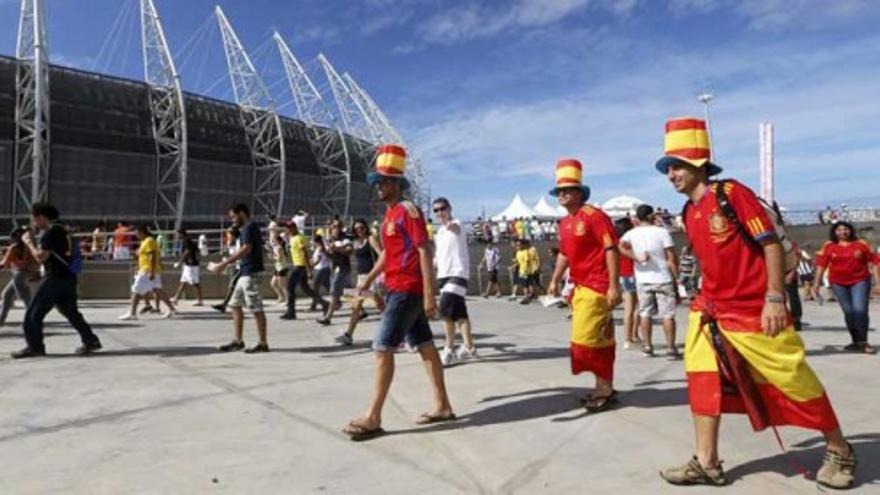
{"points": [[628, 284], [404, 317]]}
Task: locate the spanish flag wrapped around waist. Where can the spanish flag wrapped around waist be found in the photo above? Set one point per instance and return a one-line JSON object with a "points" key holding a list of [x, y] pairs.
{"points": [[592, 334], [745, 371]]}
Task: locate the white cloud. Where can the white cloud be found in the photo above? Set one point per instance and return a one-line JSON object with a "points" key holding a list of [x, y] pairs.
{"points": [[823, 121], [775, 15]]}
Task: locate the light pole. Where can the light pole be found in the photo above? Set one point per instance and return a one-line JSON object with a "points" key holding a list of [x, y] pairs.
{"points": [[705, 98]]}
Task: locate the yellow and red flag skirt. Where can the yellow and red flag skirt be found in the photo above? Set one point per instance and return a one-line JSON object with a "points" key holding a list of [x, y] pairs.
{"points": [[788, 387], [592, 342]]}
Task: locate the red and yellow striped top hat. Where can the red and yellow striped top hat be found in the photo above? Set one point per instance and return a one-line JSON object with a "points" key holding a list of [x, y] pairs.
{"points": [[687, 140], [569, 173], [390, 162]]}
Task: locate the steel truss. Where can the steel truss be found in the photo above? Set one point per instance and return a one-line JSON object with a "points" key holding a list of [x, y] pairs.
{"points": [[323, 133], [389, 134], [261, 123], [168, 112], [32, 136]]}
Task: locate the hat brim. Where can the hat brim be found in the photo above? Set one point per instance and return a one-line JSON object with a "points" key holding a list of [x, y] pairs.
{"points": [[585, 189], [373, 179], [664, 163]]}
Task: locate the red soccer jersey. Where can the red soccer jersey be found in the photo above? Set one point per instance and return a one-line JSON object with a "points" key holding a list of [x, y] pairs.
{"points": [[733, 269], [403, 232], [583, 239], [627, 266], [847, 264]]}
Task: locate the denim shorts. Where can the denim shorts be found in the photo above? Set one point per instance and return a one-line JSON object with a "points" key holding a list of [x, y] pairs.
{"points": [[628, 284], [404, 317], [341, 280]]}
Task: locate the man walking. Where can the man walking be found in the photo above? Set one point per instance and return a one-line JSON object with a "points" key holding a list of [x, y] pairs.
{"points": [[491, 260], [58, 287], [247, 290], [453, 271], [148, 279], [741, 351], [656, 271], [300, 272], [588, 245], [406, 263], [340, 250]]}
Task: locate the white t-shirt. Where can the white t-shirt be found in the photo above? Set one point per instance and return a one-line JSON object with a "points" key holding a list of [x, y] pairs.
{"points": [[452, 252], [654, 241]]}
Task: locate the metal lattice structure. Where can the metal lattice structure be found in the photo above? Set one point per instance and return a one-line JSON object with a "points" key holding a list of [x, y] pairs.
{"points": [[261, 123], [389, 134], [31, 172], [354, 118], [168, 112], [323, 133]]}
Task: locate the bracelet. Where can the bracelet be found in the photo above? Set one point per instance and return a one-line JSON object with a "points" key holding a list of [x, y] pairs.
{"points": [[775, 299]]}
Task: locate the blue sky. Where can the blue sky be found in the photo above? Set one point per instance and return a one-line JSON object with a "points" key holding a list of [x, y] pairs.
{"points": [[489, 94]]}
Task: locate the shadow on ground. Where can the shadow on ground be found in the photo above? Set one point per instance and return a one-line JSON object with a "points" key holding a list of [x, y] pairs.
{"points": [[866, 445]]}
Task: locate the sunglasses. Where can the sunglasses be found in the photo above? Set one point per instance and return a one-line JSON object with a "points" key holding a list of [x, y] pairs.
{"points": [[440, 208]]}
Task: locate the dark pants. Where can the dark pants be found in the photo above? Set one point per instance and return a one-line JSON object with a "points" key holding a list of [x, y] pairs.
{"points": [[853, 301], [58, 293], [299, 277], [794, 303]]}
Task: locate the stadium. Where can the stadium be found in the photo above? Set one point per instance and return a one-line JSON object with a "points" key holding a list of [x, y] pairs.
{"points": [[113, 149]]}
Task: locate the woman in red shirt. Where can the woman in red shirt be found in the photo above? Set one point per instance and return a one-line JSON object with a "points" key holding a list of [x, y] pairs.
{"points": [[847, 260], [628, 291]]}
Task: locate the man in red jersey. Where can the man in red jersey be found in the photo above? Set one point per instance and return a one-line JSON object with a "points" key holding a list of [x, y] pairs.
{"points": [[409, 278], [742, 353], [588, 248]]}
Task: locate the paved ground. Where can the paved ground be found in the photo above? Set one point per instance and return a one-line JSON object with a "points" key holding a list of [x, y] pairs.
{"points": [[160, 412]]}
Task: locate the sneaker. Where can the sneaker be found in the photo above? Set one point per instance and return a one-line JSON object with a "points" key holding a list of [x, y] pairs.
{"points": [[86, 349], [198, 303], [628, 344], [323, 321], [27, 352], [170, 315], [146, 309], [673, 355], [465, 354], [344, 340], [219, 307], [128, 316], [837, 471], [235, 345], [287, 316], [447, 356], [174, 301], [693, 473], [257, 349]]}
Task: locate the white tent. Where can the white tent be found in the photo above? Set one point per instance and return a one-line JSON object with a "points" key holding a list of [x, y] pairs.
{"points": [[516, 209], [621, 206], [543, 209]]}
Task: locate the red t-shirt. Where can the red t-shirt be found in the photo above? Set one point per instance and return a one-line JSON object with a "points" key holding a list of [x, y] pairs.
{"points": [[627, 267], [403, 232], [583, 239], [847, 264], [733, 269]]}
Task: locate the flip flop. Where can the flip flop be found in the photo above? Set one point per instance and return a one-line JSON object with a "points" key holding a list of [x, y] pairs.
{"points": [[599, 404], [358, 433], [429, 418]]}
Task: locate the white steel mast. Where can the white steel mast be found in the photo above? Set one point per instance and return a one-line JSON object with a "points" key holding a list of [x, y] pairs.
{"points": [[261, 123], [32, 141], [323, 132], [168, 112]]}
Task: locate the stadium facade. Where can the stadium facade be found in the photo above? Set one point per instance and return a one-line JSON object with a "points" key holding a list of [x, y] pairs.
{"points": [[103, 154]]}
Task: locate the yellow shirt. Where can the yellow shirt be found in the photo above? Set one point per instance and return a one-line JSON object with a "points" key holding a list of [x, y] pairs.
{"points": [[298, 250], [534, 261], [522, 261], [149, 246], [430, 228]]}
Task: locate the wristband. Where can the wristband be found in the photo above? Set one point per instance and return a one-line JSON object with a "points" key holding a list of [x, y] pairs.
{"points": [[775, 299]]}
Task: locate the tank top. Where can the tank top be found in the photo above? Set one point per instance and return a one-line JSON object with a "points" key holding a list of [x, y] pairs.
{"points": [[365, 257]]}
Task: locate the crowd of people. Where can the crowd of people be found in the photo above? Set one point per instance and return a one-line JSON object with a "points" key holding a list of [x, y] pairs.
{"points": [[742, 352]]}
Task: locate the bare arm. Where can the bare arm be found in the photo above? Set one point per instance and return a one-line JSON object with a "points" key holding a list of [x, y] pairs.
{"points": [[626, 249], [672, 262], [427, 267], [39, 254], [6, 257], [774, 317], [561, 265], [378, 267], [612, 262]]}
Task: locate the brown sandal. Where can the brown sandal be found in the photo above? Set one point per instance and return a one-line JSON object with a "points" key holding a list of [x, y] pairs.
{"points": [[359, 432], [601, 403]]}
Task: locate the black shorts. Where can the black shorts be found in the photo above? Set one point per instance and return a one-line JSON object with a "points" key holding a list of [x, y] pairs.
{"points": [[534, 280], [808, 278], [452, 306], [493, 276]]}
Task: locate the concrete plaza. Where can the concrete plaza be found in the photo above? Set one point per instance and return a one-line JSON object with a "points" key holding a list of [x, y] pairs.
{"points": [[159, 411]]}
